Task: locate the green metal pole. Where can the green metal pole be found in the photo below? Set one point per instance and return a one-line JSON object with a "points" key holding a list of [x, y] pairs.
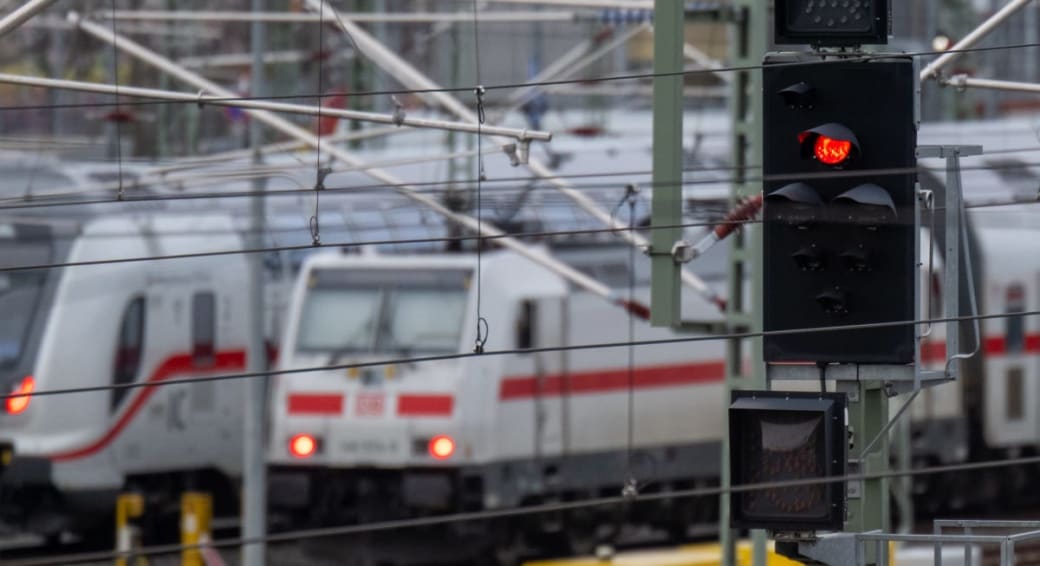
{"points": [[868, 501], [748, 40], [666, 207]]}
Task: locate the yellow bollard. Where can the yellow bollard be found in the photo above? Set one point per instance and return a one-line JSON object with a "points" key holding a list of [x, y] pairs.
{"points": [[196, 514], [128, 535]]}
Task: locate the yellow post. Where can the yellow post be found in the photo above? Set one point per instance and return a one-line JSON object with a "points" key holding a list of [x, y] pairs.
{"points": [[128, 536], [196, 514]]}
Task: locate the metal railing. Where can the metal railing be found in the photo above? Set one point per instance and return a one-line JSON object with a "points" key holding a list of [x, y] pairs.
{"points": [[1023, 531]]}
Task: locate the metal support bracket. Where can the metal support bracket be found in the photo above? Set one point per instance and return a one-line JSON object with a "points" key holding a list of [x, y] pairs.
{"points": [[832, 549]]}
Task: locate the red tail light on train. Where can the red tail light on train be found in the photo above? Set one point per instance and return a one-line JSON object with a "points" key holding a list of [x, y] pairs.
{"points": [[22, 394]]}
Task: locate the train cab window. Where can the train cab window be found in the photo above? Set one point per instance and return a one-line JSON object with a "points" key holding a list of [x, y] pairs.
{"points": [[129, 346], [1016, 333], [203, 328]]}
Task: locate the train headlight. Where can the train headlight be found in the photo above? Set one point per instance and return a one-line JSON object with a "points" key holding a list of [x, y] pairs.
{"points": [[21, 395], [442, 447], [303, 445]]}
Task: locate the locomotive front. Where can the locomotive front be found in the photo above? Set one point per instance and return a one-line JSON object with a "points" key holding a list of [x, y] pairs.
{"points": [[367, 414]]}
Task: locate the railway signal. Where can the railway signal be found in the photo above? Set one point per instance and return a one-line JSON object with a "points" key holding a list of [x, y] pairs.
{"points": [[839, 158], [822, 22], [788, 437]]}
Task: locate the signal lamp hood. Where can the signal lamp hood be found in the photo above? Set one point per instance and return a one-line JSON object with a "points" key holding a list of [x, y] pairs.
{"points": [[868, 194]]}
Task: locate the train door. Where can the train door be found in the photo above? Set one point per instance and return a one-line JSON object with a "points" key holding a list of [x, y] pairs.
{"points": [[539, 324], [195, 413], [138, 359], [550, 322], [1011, 392]]}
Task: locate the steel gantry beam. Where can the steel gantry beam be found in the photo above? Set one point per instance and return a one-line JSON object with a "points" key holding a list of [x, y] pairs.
{"points": [[597, 4], [11, 21], [414, 79], [536, 255], [964, 81], [309, 18], [978, 34]]}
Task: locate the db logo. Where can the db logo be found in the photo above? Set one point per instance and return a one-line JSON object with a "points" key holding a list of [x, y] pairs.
{"points": [[369, 405]]}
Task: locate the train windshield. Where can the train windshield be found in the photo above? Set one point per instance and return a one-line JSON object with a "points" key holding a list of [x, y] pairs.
{"points": [[20, 291], [351, 311]]}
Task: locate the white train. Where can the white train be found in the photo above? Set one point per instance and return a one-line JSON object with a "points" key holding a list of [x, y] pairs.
{"points": [[66, 456], [480, 432], [483, 431], [489, 432]]}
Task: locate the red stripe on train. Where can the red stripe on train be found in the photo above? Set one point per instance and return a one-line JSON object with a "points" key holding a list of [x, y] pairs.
{"points": [[998, 345], [178, 364], [315, 403], [425, 405], [992, 346], [605, 381]]}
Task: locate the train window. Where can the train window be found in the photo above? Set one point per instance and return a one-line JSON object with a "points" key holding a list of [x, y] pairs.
{"points": [[525, 325], [20, 291], [380, 310], [1015, 394], [422, 320], [203, 328], [1016, 334], [341, 320], [129, 346]]}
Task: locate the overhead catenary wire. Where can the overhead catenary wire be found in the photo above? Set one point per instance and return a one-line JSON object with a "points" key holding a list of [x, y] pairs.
{"points": [[44, 200], [534, 254], [511, 86], [202, 99], [555, 507], [210, 17], [482, 327], [117, 122], [512, 351], [630, 485], [337, 245], [319, 173], [407, 74], [716, 221], [735, 489]]}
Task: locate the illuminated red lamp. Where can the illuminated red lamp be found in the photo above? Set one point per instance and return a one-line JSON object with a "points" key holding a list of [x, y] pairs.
{"points": [[21, 395], [831, 144], [830, 151], [303, 446], [442, 447]]}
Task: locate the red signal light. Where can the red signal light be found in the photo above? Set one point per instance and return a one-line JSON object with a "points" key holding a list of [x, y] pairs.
{"points": [[22, 395], [831, 144], [831, 151], [442, 447], [303, 446]]}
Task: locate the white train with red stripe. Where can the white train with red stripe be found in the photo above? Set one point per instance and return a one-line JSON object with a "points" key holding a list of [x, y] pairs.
{"points": [[481, 431], [495, 431], [92, 326]]}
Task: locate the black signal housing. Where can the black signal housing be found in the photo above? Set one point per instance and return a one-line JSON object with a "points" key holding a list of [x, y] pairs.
{"points": [[778, 437]]}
